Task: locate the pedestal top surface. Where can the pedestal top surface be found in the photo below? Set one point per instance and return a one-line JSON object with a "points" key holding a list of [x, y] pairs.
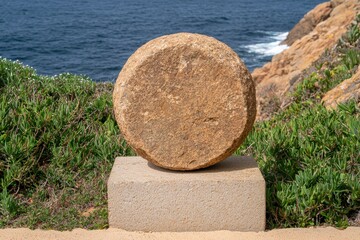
{"points": [[137, 169]]}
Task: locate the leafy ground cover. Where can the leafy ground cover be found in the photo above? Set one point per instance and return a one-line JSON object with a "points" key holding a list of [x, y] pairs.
{"points": [[310, 156], [310, 159], [58, 141]]}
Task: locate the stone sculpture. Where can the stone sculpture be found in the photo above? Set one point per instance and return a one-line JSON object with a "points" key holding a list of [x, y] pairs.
{"points": [[184, 101]]}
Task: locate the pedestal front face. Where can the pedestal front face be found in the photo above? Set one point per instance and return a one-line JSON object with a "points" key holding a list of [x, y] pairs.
{"points": [[227, 196]]}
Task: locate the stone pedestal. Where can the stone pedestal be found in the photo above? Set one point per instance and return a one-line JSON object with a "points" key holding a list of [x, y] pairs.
{"points": [[227, 196]]}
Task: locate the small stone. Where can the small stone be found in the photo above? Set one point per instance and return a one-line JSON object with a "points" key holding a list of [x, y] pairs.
{"points": [[184, 101], [88, 212]]}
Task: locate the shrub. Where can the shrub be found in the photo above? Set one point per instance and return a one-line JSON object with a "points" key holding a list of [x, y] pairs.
{"points": [[58, 140], [310, 159]]}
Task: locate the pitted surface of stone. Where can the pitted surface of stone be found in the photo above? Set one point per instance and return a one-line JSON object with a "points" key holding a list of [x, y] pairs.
{"points": [[184, 101]]}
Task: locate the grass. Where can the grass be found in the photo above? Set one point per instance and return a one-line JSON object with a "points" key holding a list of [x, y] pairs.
{"points": [[58, 141]]}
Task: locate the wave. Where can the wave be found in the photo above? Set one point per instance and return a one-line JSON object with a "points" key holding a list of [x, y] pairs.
{"points": [[270, 45]]}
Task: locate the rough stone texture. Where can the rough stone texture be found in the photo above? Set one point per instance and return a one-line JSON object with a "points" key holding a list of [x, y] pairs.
{"points": [[346, 90], [309, 22], [227, 196], [184, 101], [275, 78]]}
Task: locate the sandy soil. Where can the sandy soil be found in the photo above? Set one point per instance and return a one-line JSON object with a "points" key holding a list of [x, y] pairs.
{"points": [[328, 233]]}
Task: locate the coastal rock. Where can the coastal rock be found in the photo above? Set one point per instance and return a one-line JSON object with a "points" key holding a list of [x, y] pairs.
{"points": [[184, 101], [275, 78], [309, 22], [345, 91], [335, 3]]}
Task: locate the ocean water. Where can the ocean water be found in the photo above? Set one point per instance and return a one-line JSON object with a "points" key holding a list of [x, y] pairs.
{"points": [[95, 38]]}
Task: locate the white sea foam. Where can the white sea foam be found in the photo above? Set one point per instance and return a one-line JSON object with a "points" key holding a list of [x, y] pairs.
{"points": [[271, 47]]}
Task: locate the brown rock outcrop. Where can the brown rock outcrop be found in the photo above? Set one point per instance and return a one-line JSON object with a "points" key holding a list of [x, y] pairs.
{"points": [[184, 101], [276, 77], [309, 22], [348, 89]]}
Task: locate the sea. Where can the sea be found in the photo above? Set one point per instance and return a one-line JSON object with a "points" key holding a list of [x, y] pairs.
{"points": [[96, 37]]}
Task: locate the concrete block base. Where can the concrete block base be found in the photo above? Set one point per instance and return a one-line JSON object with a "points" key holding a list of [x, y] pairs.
{"points": [[227, 196]]}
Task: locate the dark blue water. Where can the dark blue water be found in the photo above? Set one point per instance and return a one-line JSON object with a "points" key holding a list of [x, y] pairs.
{"points": [[95, 37]]}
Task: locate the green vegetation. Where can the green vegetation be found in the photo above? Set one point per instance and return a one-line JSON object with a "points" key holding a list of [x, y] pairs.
{"points": [[332, 68], [351, 59], [58, 140], [310, 156], [328, 74], [353, 34], [310, 159]]}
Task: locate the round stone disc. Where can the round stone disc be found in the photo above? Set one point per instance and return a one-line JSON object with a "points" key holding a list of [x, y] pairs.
{"points": [[184, 101]]}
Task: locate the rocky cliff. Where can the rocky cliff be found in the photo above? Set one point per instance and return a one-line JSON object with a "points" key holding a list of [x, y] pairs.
{"points": [[319, 30], [348, 89]]}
